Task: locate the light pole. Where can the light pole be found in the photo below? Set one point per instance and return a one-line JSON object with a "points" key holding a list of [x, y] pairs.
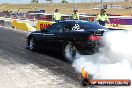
{"points": [[91, 4], [74, 5], [101, 4], [73, 1], [37, 1]]}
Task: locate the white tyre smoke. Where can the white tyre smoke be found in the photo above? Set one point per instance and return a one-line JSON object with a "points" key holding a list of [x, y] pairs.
{"points": [[114, 61]]}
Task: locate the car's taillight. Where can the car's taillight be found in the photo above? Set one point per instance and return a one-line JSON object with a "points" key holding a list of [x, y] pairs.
{"points": [[94, 38]]}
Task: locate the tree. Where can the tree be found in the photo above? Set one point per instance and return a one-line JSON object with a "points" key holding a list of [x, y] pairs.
{"points": [[50, 1], [64, 1], [34, 1]]}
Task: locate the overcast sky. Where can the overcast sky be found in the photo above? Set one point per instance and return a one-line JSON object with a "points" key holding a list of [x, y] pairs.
{"points": [[43, 1]]}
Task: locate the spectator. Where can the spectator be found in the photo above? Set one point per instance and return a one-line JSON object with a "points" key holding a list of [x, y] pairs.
{"points": [[102, 18], [57, 15], [75, 14]]}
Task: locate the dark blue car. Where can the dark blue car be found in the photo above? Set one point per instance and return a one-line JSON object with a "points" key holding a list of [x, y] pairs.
{"points": [[70, 37]]}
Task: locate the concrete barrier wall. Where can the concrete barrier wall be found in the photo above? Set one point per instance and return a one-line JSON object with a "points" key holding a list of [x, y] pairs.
{"points": [[43, 25], [7, 24], [31, 23], [22, 26]]}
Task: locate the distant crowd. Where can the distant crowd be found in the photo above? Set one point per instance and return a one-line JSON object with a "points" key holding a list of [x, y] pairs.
{"points": [[102, 18]]}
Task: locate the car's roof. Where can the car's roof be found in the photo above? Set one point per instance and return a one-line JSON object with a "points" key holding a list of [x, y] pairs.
{"points": [[76, 21], [93, 24]]}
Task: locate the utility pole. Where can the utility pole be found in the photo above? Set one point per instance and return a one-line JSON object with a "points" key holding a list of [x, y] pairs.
{"points": [[19, 5], [129, 3], [73, 1], [74, 5], [36, 1], [87, 5], [101, 4], [91, 4]]}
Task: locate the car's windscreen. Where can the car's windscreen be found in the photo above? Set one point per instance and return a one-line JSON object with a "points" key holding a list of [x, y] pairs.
{"points": [[87, 26]]}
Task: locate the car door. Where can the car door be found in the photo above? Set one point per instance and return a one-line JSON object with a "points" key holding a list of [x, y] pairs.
{"points": [[52, 37]]}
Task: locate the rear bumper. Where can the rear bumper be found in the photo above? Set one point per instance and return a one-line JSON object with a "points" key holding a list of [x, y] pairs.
{"points": [[87, 48]]}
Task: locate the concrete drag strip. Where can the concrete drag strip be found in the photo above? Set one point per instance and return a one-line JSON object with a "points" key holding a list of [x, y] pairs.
{"points": [[17, 73]]}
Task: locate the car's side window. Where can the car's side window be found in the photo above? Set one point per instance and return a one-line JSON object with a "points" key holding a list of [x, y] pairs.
{"points": [[50, 28], [68, 27], [57, 27], [85, 26]]}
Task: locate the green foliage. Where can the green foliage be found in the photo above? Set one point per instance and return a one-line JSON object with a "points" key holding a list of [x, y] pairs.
{"points": [[64, 1], [34, 1], [48, 0]]}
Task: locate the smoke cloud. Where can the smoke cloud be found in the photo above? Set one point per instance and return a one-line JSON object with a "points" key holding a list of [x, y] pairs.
{"points": [[114, 61]]}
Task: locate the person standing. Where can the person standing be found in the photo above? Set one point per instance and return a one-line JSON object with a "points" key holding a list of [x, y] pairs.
{"points": [[102, 18], [57, 15], [75, 14]]}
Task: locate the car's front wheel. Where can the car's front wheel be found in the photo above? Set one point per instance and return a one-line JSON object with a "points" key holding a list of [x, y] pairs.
{"points": [[70, 52]]}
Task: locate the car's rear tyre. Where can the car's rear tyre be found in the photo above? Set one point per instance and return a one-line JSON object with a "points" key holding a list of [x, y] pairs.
{"points": [[32, 44], [70, 53]]}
